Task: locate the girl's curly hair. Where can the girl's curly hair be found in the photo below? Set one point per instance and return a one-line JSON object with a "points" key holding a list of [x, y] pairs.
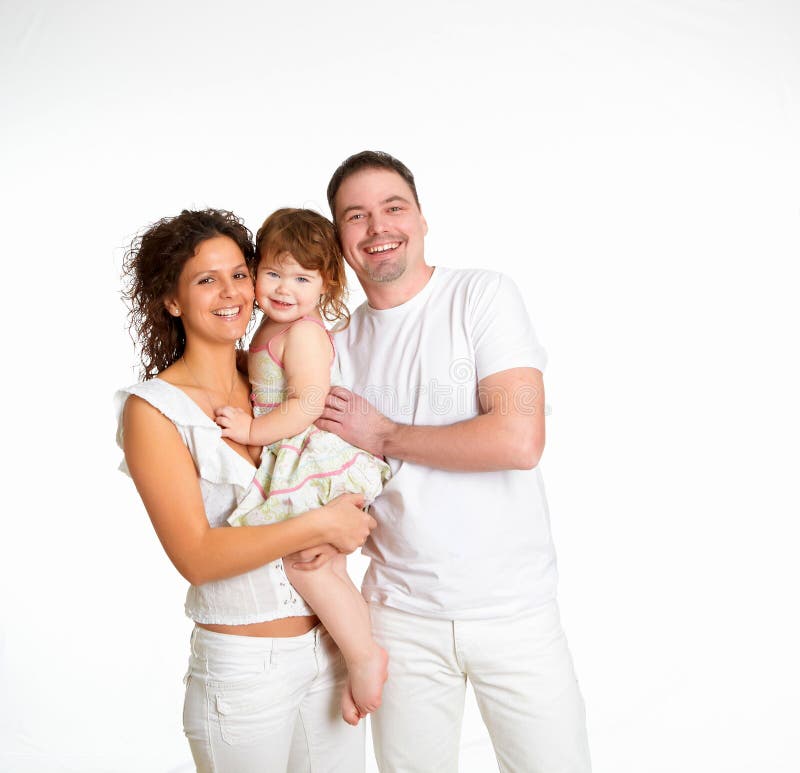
{"points": [[311, 240], [151, 268]]}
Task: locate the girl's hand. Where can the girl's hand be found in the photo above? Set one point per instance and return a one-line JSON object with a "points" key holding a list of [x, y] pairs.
{"points": [[235, 424], [347, 525], [311, 558]]}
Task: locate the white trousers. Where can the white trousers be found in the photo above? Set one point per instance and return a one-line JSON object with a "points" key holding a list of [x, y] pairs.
{"points": [[522, 674], [268, 705]]}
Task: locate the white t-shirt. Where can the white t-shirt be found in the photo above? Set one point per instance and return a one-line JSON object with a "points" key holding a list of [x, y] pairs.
{"points": [[454, 545]]}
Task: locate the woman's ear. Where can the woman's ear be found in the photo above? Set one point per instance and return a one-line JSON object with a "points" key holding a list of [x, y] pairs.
{"points": [[171, 305]]}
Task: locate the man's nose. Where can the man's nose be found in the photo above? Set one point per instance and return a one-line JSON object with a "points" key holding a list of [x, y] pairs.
{"points": [[377, 225]]}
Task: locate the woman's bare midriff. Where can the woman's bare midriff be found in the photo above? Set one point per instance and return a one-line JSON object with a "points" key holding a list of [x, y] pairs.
{"points": [[272, 629]]}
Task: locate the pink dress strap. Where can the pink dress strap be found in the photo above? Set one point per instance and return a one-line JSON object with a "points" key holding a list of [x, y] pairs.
{"points": [[306, 318]]}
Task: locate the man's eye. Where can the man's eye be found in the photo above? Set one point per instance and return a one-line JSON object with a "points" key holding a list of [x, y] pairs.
{"points": [[357, 216], [395, 209]]}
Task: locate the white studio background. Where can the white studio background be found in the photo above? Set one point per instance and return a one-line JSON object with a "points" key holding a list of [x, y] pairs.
{"points": [[632, 164]]}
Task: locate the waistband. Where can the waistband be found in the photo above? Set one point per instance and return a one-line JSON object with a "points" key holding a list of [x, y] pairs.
{"points": [[205, 643]]}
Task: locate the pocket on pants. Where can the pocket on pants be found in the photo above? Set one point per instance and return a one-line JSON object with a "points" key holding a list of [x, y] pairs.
{"points": [[247, 710]]}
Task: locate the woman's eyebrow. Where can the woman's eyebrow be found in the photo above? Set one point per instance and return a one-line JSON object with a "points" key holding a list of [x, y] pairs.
{"points": [[216, 270]]}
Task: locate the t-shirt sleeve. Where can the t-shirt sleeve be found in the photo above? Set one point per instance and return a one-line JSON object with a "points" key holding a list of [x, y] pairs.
{"points": [[502, 334]]}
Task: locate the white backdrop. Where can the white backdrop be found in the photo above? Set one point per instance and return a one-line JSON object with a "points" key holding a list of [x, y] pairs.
{"points": [[633, 164]]}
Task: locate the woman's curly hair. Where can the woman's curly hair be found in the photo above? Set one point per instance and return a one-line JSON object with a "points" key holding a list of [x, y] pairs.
{"points": [[151, 268], [311, 240]]}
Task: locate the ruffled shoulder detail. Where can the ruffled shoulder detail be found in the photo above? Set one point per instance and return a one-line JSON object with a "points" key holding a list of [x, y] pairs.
{"points": [[215, 460]]}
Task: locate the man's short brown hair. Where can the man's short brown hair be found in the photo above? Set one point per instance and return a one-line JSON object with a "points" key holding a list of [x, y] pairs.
{"points": [[368, 159]]}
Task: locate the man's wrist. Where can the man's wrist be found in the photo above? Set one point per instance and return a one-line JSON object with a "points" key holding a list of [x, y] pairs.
{"points": [[391, 439]]}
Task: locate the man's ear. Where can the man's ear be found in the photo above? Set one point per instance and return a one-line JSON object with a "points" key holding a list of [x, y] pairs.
{"points": [[424, 226]]}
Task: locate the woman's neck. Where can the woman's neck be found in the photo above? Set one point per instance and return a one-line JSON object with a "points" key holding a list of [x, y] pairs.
{"points": [[212, 367]]}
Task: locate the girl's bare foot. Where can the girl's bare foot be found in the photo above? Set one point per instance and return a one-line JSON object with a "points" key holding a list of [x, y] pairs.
{"points": [[350, 712], [366, 678]]}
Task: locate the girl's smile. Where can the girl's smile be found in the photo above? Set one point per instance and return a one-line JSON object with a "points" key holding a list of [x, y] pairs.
{"points": [[285, 290]]}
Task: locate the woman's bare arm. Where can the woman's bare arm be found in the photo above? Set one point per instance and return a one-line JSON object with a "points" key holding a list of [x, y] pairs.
{"points": [[166, 478]]}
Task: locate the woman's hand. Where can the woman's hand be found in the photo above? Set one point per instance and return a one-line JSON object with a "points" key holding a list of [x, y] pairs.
{"points": [[346, 524]]}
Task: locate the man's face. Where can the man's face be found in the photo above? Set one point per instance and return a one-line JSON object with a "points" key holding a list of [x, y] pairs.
{"points": [[381, 228]]}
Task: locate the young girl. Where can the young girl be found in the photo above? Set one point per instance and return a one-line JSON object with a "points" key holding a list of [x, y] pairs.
{"points": [[300, 279]]}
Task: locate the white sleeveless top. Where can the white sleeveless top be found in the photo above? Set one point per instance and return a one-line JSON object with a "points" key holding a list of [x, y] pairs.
{"points": [[224, 475]]}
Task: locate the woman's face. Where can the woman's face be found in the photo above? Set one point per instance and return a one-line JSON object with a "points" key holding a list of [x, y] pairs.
{"points": [[214, 294]]}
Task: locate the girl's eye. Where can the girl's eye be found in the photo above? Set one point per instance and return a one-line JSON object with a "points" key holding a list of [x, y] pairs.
{"points": [[272, 274], [302, 279]]}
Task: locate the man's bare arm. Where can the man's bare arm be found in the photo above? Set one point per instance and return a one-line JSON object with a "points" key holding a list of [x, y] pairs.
{"points": [[508, 434]]}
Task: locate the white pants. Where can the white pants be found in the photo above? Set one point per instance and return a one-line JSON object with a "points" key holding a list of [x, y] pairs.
{"points": [[521, 671], [268, 705]]}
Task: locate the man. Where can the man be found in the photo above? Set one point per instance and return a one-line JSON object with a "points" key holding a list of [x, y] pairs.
{"points": [[446, 374]]}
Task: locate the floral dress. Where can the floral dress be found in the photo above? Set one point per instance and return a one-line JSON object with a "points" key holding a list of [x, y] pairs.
{"points": [[306, 471]]}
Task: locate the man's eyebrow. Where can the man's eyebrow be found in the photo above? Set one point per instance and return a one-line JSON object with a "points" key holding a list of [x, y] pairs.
{"points": [[396, 198], [385, 201]]}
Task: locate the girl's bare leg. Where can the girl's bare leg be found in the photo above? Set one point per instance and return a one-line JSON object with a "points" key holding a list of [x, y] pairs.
{"points": [[330, 592]]}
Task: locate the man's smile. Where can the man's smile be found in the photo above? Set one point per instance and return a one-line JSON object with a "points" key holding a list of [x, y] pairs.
{"points": [[376, 249]]}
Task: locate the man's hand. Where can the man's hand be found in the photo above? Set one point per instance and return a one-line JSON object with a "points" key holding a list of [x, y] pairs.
{"points": [[356, 420], [311, 558], [235, 423]]}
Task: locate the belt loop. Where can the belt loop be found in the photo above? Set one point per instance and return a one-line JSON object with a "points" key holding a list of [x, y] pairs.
{"points": [[192, 638], [273, 653]]}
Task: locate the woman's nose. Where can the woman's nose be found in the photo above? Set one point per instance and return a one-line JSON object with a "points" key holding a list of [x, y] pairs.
{"points": [[226, 288]]}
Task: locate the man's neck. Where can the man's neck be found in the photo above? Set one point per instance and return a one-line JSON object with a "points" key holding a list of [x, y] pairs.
{"points": [[390, 294]]}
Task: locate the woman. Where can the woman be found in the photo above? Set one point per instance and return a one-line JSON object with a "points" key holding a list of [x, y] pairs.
{"points": [[264, 679]]}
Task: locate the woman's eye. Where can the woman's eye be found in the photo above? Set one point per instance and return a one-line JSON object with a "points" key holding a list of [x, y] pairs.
{"points": [[205, 280], [241, 275]]}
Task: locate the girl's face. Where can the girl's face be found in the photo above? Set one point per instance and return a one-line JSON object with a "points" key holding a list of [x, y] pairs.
{"points": [[214, 294], [285, 290]]}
